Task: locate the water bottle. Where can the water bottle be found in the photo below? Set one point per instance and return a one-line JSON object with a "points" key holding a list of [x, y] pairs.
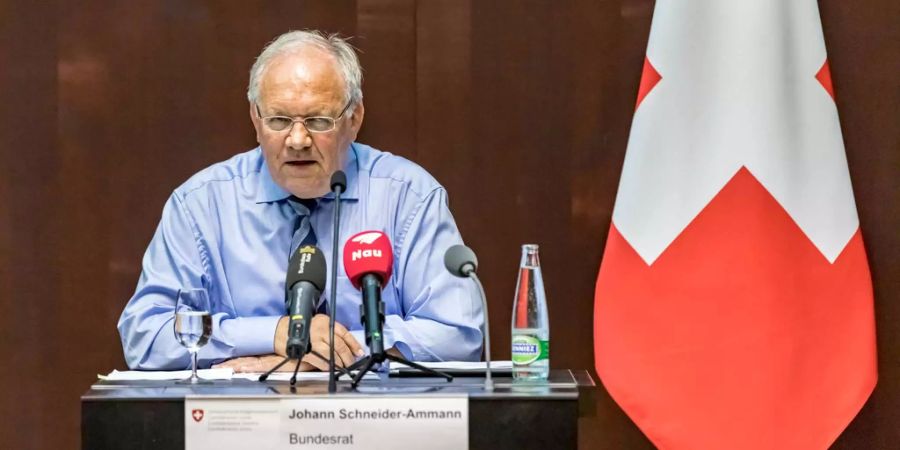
{"points": [[530, 323]]}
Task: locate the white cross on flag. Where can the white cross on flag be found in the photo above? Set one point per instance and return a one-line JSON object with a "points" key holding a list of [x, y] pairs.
{"points": [[734, 306]]}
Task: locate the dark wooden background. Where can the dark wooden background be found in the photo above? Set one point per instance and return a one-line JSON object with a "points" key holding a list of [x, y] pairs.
{"points": [[520, 108]]}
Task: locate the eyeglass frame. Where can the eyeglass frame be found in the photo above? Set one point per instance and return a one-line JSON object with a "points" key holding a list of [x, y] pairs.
{"points": [[334, 120]]}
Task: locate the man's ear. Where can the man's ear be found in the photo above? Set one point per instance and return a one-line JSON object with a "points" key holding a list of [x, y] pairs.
{"points": [[254, 117], [357, 119]]}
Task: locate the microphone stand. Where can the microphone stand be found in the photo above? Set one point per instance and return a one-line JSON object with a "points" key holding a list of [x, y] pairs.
{"points": [[332, 301], [488, 383], [365, 365], [378, 355], [266, 375], [461, 262]]}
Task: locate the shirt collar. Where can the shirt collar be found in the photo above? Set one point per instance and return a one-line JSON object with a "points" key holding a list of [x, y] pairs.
{"points": [[269, 191]]}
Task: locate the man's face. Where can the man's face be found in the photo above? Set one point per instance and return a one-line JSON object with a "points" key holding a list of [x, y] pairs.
{"points": [[299, 85]]}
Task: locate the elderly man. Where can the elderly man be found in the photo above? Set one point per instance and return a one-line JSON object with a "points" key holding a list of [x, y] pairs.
{"points": [[229, 230]]}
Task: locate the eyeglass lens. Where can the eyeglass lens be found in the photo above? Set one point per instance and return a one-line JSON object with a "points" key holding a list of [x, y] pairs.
{"points": [[315, 124]]}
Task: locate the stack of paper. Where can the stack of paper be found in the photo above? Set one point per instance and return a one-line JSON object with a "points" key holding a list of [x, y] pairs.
{"points": [[468, 365], [214, 374], [135, 375]]}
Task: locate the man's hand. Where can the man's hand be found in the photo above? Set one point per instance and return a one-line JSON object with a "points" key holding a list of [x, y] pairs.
{"points": [[346, 349], [281, 336], [264, 363]]}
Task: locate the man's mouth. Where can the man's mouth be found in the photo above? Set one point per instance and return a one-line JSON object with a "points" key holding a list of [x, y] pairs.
{"points": [[300, 163]]}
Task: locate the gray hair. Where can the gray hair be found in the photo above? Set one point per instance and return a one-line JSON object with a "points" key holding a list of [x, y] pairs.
{"points": [[292, 41]]}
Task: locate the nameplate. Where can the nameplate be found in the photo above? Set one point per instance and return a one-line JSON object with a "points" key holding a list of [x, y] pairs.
{"points": [[339, 422]]}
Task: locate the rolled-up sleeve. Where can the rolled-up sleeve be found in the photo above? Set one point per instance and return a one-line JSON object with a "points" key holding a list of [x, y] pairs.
{"points": [[177, 259], [442, 315]]}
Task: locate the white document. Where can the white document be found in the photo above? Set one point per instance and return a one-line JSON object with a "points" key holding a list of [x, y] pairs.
{"points": [[228, 373], [136, 375], [301, 376], [467, 365]]}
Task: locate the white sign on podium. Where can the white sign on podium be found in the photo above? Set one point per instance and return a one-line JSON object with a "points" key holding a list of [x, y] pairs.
{"points": [[336, 422]]}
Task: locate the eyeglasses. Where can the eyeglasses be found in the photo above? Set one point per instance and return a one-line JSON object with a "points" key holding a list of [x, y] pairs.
{"points": [[318, 124]]}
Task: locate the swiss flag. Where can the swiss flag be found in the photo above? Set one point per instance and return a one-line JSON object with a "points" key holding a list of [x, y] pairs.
{"points": [[733, 306]]}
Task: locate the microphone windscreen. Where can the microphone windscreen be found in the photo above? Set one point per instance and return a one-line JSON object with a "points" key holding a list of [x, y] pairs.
{"points": [[307, 264], [339, 178], [458, 257], [368, 252]]}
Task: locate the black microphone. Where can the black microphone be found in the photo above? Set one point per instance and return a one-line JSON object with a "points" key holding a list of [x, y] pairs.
{"points": [[338, 186], [460, 261], [303, 285], [339, 180]]}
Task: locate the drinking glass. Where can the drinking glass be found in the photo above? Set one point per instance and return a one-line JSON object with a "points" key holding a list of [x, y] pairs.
{"points": [[193, 325]]}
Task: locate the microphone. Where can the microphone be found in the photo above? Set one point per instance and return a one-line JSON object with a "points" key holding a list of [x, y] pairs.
{"points": [[339, 180], [368, 261], [461, 262], [338, 186], [303, 285]]}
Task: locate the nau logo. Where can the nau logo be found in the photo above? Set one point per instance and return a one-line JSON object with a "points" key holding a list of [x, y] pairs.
{"points": [[197, 414], [358, 254], [367, 238]]}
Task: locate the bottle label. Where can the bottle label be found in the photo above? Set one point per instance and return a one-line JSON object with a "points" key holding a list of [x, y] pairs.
{"points": [[528, 349]]}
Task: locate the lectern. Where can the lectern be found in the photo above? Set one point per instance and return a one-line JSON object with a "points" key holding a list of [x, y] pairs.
{"points": [[151, 414]]}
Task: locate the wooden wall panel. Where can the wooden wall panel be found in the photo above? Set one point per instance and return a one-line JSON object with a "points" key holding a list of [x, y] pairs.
{"points": [[444, 110], [386, 37], [29, 263], [520, 108]]}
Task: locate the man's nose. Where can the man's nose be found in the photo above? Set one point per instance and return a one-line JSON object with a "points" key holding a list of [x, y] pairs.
{"points": [[298, 136]]}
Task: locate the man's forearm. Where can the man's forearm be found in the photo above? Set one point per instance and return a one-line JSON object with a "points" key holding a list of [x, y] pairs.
{"points": [[150, 343], [419, 339]]}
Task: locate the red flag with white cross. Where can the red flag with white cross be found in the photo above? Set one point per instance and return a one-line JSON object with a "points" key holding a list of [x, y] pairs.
{"points": [[734, 304]]}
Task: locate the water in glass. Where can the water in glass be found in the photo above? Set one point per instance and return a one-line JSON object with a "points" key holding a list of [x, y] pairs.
{"points": [[193, 325]]}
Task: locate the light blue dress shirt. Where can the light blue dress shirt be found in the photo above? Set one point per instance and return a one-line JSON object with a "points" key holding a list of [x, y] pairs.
{"points": [[228, 230]]}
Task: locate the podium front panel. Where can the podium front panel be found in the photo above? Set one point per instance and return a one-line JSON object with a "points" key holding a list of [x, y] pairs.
{"points": [[150, 414]]}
